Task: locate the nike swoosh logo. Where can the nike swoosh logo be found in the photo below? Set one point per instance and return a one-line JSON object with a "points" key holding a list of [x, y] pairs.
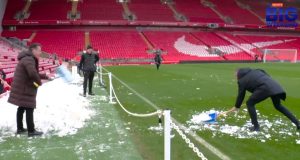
{"points": [[185, 47]]}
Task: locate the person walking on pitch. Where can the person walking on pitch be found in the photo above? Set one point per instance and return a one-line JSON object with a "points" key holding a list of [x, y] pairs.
{"points": [[158, 59]]}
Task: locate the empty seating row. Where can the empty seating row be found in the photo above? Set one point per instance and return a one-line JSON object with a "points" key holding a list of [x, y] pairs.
{"points": [[176, 45], [145, 10]]}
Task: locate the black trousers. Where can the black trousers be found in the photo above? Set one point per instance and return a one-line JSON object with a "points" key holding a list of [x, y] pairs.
{"points": [[29, 118], [157, 65], [253, 100], [1, 88], [88, 78]]}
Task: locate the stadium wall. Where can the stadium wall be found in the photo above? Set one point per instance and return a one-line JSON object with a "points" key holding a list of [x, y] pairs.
{"points": [[2, 10]]}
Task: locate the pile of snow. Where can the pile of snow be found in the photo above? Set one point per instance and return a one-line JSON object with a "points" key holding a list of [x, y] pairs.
{"points": [[270, 129], [203, 117], [60, 110]]}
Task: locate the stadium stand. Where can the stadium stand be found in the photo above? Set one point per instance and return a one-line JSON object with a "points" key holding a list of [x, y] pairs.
{"points": [[63, 43], [229, 51], [158, 11], [236, 13], [18, 34], [258, 7], [12, 7], [8, 61], [106, 10], [48, 10], [126, 45], [166, 41], [196, 12], [179, 46], [133, 43]]}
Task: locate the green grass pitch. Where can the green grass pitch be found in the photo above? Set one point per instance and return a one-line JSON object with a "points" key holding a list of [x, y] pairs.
{"points": [[192, 88], [185, 89]]}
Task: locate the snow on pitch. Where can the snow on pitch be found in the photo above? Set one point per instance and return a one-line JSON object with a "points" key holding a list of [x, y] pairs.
{"points": [[238, 125], [60, 110], [271, 129]]}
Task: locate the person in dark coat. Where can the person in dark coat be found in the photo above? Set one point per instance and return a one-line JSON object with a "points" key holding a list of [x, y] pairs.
{"points": [[87, 64], [158, 59], [256, 58], [24, 87], [2, 80], [262, 86]]}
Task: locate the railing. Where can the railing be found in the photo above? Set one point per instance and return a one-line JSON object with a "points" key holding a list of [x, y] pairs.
{"points": [[166, 114]]}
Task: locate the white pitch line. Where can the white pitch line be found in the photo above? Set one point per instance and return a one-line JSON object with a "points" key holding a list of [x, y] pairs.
{"points": [[200, 140]]}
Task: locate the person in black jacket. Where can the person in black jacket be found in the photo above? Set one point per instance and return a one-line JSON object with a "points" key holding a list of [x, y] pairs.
{"points": [[2, 81], [88, 66], [262, 86], [158, 59]]}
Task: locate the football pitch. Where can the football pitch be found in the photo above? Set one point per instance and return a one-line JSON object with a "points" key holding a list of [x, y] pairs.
{"points": [[187, 90], [193, 88]]}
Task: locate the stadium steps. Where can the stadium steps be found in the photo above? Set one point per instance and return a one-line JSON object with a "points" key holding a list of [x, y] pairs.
{"points": [[213, 8], [259, 8], [236, 44], [74, 14], [209, 46], [198, 39], [147, 41], [23, 14], [238, 15], [247, 7], [127, 14], [178, 16], [158, 11], [257, 49], [32, 36], [258, 16], [87, 39]]}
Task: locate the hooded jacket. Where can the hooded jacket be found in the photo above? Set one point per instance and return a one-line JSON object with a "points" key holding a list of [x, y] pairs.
{"points": [[23, 91], [88, 62], [158, 58], [259, 83]]}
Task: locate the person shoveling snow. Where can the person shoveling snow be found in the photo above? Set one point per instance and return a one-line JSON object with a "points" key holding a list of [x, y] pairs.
{"points": [[262, 86], [272, 127], [24, 88], [58, 113], [24, 91]]}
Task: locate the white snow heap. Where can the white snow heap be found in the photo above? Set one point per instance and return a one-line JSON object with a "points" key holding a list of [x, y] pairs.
{"points": [[60, 110]]}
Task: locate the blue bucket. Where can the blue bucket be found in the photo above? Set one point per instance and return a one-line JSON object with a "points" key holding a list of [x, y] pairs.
{"points": [[213, 117], [64, 73]]}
